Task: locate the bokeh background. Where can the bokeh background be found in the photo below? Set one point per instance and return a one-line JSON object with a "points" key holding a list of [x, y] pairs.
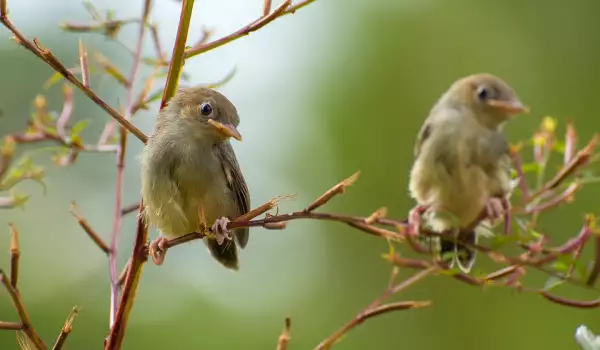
{"points": [[339, 86]]}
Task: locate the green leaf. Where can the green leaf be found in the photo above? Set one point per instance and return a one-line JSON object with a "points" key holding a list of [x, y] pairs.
{"points": [[553, 282], [55, 78], [110, 15], [560, 266], [535, 234], [530, 168], [79, 127], [559, 146]]}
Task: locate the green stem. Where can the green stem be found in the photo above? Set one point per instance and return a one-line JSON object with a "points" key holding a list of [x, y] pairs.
{"points": [[177, 58]]}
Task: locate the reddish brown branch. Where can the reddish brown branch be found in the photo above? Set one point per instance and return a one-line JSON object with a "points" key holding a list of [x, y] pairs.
{"points": [[596, 269], [130, 208], [355, 221], [580, 159], [10, 326], [285, 8], [337, 189], [27, 326], [47, 56], [375, 308], [157, 45], [88, 229], [266, 7], [582, 304], [121, 305]]}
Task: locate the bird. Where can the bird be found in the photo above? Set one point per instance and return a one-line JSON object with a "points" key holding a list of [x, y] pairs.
{"points": [[190, 176], [461, 171]]}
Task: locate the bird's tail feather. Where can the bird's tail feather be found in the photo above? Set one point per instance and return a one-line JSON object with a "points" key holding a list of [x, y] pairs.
{"points": [[225, 253], [459, 254]]}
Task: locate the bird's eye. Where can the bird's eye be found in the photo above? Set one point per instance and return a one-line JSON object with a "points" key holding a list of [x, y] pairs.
{"points": [[482, 93], [206, 109]]}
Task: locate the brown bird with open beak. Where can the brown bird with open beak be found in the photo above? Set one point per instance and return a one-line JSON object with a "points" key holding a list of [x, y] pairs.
{"points": [[462, 164], [190, 175]]}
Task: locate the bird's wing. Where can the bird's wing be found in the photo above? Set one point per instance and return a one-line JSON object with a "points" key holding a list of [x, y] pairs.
{"points": [[494, 157], [441, 137], [236, 183], [424, 134]]}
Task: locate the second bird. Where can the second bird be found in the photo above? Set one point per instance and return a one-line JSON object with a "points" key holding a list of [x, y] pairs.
{"points": [[190, 175], [462, 162]]}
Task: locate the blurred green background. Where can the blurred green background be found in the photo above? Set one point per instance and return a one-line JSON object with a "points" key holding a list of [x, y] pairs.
{"points": [[339, 86]]}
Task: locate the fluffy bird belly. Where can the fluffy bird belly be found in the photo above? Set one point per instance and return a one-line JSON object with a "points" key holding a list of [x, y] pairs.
{"points": [[190, 207], [458, 197], [464, 197]]}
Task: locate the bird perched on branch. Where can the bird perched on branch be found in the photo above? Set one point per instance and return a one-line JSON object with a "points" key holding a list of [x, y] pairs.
{"points": [[462, 163], [191, 177]]}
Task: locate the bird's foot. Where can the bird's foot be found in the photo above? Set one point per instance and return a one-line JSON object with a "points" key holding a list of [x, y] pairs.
{"points": [[496, 208], [414, 219], [158, 249], [219, 228]]}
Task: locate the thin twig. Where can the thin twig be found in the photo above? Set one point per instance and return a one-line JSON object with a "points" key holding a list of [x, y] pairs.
{"points": [[84, 65], [266, 7], [130, 209], [10, 326], [47, 56], [116, 230], [596, 269], [139, 254], [65, 114], [157, 45], [307, 213], [66, 329], [284, 337], [88, 229], [20, 307], [375, 308], [581, 158], [337, 189], [254, 26], [15, 254]]}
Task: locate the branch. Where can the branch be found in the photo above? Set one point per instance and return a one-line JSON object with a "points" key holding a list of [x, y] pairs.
{"points": [[15, 254], [26, 324], [375, 308], [580, 159], [274, 222], [117, 218], [66, 329], [88, 229], [139, 254], [47, 56], [284, 9], [284, 337]]}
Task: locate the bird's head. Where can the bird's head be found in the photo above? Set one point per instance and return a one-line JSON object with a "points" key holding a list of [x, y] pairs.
{"points": [[208, 113], [491, 100]]}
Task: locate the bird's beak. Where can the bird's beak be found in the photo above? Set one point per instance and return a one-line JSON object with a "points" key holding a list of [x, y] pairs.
{"points": [[509, 107], [227, 130]]}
